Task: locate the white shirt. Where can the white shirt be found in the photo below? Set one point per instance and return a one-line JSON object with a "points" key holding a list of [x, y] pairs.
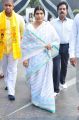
{"points": [[74, 43], [63, 29]]}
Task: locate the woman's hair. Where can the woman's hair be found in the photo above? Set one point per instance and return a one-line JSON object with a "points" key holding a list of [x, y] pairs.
{"points": [[39, 8]]}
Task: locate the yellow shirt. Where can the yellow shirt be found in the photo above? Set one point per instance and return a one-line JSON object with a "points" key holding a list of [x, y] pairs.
{"points": [[8, 42]]}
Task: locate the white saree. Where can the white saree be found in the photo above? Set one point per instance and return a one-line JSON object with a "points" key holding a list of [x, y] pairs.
{"points": [[39, 71]]}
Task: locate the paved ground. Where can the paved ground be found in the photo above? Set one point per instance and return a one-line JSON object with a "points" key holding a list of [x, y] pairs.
{"points": [[22, 109]]}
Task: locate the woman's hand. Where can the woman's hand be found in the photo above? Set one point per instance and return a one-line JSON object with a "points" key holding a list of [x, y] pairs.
{"points": [[48, 47], [25, 63]]}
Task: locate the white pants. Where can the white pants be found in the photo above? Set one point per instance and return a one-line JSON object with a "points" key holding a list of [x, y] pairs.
{"points": [[1, 70], [10, 73]]}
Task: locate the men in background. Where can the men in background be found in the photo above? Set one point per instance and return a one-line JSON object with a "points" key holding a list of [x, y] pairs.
{"points": [[74, 49], [11, 31], [63, 27]]}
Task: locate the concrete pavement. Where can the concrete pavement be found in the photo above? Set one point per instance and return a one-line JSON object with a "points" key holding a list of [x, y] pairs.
{"points": [[22, 109]]}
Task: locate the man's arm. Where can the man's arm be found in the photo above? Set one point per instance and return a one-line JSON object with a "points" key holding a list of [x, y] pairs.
{"points": [[22, 26], [73, 43]]}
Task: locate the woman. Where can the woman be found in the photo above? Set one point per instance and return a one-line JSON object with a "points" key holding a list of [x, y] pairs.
{"points": [[39, 63]]}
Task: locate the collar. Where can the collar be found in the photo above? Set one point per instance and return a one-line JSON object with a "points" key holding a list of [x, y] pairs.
{"points": [[60, 20]]}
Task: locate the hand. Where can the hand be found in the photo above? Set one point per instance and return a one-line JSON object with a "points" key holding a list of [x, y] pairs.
{"points": [[48, 47], [25, 63], [73, 61]]}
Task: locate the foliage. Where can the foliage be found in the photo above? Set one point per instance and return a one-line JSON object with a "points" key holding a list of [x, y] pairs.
{"points": [[34, 3], [75, 11]]}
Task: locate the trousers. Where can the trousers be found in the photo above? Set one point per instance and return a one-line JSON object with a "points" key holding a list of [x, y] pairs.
{"points": [[1, 69], [10, 72], [60, 64]]}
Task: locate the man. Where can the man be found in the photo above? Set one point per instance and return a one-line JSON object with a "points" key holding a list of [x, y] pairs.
{"points": [[63, 27], [11, 31], [74, 43], [74, 49]]}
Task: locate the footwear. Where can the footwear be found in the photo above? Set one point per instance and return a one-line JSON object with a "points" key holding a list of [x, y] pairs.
{"points": [[63, 86], [55, 94], [6, 88], [11, 97], [1, 76]]}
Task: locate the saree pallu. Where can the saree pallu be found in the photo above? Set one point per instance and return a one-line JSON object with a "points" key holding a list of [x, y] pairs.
{"points": [[39, 71], [32, 46]]}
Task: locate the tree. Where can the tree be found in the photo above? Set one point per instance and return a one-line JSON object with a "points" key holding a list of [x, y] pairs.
{"points": [[34, 3]]}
